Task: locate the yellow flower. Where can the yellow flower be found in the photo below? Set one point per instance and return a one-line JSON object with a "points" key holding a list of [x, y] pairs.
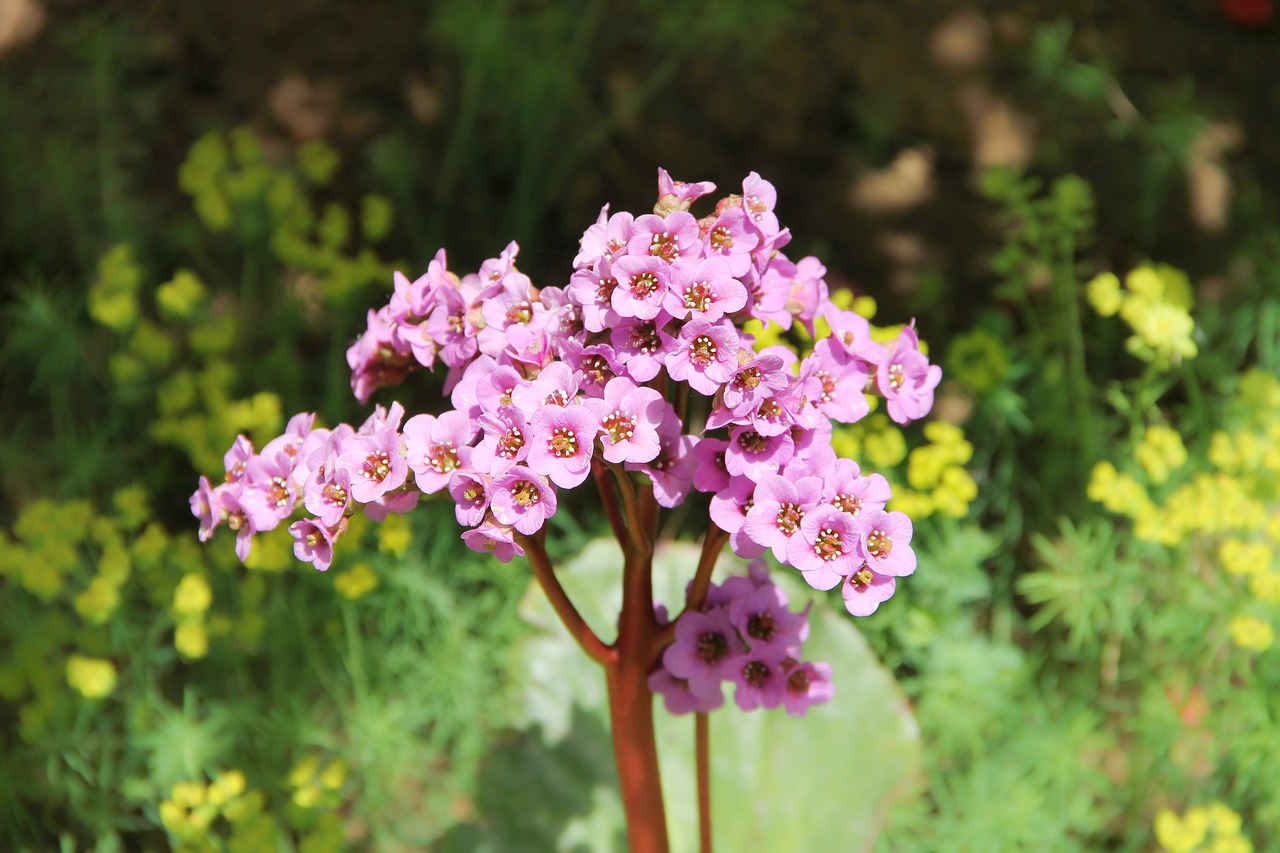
{"points": [[1104, 294], [1223, 819], [357, 582], [1175, 834], [1250, 632], [395, 535], [954, 494], [93, 677], [1245, 558], [191, 639], [884, 445], [226, 787], [181, 296], [865, 307], [188, 795], [1161, 452], [914, 504], [98, 601], [192, 595], [1266, 587], [334, 775]]}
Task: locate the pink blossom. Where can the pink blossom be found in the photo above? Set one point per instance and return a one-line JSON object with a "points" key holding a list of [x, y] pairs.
{"points": [[642, 286], [375, 464], [704, 644], [765, 623], [703, 289], [668, 238], [780, 504], [808, 684], [679, 698], [629, 418], [561, 443], [471, 496], [760, 682], [436, 447], [705, 355], [638, 349], [494, 539], [863, 590], [885, 543], [521, 499], [678, 195], [906, 379], [825, 549], [312, 543], [329, 498]]}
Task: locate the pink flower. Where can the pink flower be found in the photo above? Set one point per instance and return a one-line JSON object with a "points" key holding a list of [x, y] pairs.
{"points": [[642, 285], [705, 355], [731, 239], [312, 543], [760, 683], [906, 379], [638, 349], [753, 455], [703, 289], [848, 491], [607, 238], [780, 504], [329, 499], [629, 418], [436, 447], [767, 625], [704, 644], [863, 590], [667, 238], [494, 539], [826, 548], [678, 195], [561, 442], [522, 500], [679, 698], [471, 496], [808, 684], [885, 544], [374, 463]]}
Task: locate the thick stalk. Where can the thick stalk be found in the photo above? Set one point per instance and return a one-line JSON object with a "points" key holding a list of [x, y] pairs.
{"points": [[631, 705]]}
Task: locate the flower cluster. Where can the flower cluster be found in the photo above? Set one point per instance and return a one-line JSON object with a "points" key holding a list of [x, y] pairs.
{"points": [[550, 385], [1156, 302], [746, 635], [1214, 828]]}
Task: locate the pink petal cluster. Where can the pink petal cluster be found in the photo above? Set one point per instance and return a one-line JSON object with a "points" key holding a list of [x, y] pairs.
{"points": [[745, 635], [547, 383]]}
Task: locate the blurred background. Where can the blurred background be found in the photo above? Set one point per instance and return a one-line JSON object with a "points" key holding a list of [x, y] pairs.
{"points": [[199, 202]]}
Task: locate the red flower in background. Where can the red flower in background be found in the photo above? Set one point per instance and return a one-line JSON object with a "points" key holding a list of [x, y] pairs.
{"points": [[1249, 13]]}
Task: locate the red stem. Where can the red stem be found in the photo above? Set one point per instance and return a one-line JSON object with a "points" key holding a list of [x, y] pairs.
{"points": [[560, 601], [702, 749], [630, 700]]}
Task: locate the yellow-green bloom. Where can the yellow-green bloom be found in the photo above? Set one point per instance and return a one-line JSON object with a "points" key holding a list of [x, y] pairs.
{"points": [[357, 582], [192, 595], [93, 677], [1104, 294], [1250, 632]]}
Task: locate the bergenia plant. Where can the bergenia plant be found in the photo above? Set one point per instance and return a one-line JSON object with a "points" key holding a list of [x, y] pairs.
{"points": [[635, 377]]}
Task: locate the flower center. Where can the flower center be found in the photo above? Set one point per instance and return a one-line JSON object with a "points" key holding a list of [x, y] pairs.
{"points": [[596, 369], [756, 207], [748, 379], [510, 442], [644, 339], [761, 626], [643, 284], [862, 577], [278, 492], [664, 246], [753, 442], [473, 492], [442, 458], [456, 323], [721, 239], [697, 296], [879, 544], [563, 443], [604, 290], [619, 426], [520, 313], [896, 376], [712, 647], [769, 410], [703, 351], [847, 503], [756, 673], [525, 493], [829, 545], [334, 494], [312, 539], [376, 466], [789, 517], [828, 385], [557, 397], [798, 681]]}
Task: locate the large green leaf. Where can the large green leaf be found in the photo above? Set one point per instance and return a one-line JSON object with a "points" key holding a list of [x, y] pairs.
{"points": [[821, 782]]}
